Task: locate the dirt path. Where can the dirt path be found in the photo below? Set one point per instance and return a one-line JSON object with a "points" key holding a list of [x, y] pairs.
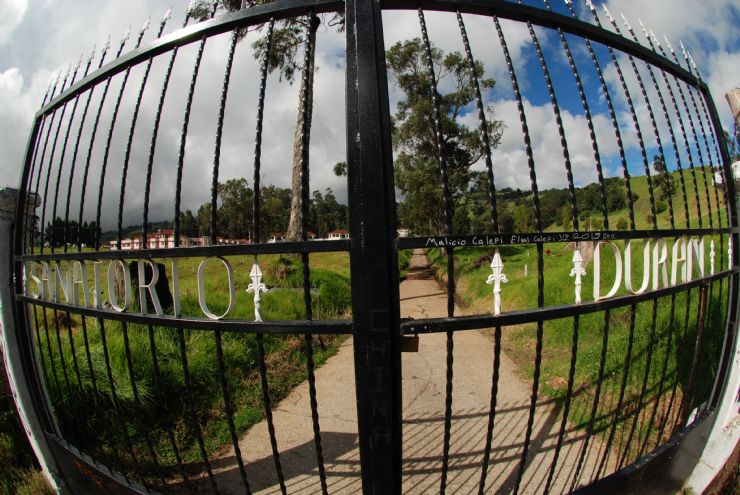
{"points": [[424, 382]]}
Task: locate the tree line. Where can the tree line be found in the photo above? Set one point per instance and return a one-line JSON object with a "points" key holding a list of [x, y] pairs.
{"points": [[235, 215]]}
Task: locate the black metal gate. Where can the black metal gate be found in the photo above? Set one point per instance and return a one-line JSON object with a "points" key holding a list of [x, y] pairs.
{"points": [[122, 378]]}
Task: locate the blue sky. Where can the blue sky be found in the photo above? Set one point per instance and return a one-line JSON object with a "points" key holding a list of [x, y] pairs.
{"points": [[38, 39]]}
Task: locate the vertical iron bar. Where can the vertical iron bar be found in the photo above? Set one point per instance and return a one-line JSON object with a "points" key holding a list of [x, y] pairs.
{"points": [[566, 406], [62, 360], [615, 123], [622, 388], [92, 141], [658, 140], [43, 156], [155, 133], [591, 132], [268, 413], [137, 403], [166, 412], [72, 351], [664, 420], [559, 122], [668, 122], [266, 401], [643, 390], [117, 405], [88, 355], [184, 132], [661, 383], [720, 168], [191, 408], [442, 164], [540, 253], [51, 355], [229, 411], [484, 133], [688, 147], [306, 106], [373, 257], [28, 217], [491, 409], [733, 296], [61, 158], [636, 124], [106, 154], [483, 124], [709, 157], [595, 406], [76, 150], [219, 136], [698, 147], [688, 394], [39, 345], [129, 142], [29, 212], [49, 169]]}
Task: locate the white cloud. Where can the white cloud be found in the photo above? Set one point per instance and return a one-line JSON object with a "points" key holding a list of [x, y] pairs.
{"points": [[33, 52], [11, 14]]}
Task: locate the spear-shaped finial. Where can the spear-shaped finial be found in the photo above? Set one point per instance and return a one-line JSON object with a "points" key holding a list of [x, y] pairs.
{"points": [[578, 271], [668, 44], [104, 52], [711, 257], [163, 22], [683, 49], [693, 64], [257, 287], [656, 40], [625, 21], [143, 30], [729, 252], [497, 266], [608, 14]]}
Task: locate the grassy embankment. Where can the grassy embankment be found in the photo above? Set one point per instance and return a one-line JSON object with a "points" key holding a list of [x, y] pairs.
{"points": [[133, 419], [18, 474], [664, 354]]}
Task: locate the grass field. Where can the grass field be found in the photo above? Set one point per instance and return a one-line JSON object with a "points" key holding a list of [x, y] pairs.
{"points": [[146, 407], [650, 348]]}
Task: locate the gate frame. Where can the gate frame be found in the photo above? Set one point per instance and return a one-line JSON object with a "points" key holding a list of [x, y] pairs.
{"points": [[373, 253], [373, 257]]}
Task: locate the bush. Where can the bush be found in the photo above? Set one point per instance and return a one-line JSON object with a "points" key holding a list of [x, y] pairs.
{"points": [[660, 206], [335, 297], [404, 258], [622, 224]]}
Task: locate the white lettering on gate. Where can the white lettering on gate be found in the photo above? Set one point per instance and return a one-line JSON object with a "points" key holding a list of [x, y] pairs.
{"points": [[144, 287], [202, 289], [597, 270], [113, 296]]}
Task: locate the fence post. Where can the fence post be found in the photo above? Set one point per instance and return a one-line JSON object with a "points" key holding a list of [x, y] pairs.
{"points": [[15, 352], [373, 257]]}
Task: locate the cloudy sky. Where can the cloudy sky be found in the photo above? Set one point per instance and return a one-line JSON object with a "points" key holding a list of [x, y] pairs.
{"points": [[40, 39]]}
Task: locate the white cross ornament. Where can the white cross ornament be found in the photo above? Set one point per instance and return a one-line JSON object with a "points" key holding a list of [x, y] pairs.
{"points": [[256, 286], [497, 266], [578, 271]]}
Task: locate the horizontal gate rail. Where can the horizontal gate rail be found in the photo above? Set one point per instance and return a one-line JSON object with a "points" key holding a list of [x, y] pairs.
{"points": [[518, 12], [314, 327], [433, 325], [305, 247], [283, 9]]}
